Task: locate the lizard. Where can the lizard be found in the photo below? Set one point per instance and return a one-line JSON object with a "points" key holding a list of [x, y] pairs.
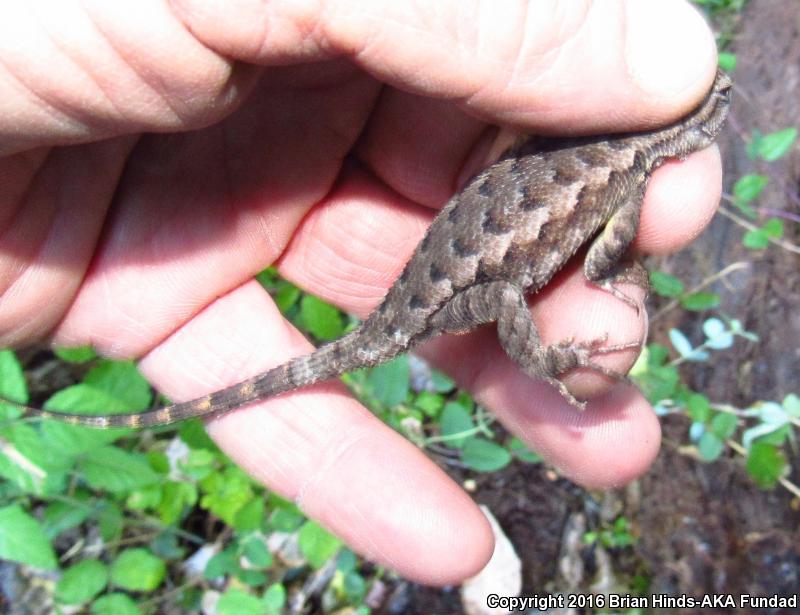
{"points": [[511, 228]]}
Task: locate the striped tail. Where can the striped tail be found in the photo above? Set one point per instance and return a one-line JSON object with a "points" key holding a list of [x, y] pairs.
{"points": [[325, 363]]}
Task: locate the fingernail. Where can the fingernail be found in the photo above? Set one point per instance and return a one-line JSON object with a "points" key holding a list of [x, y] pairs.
{"points": [[669, 47]]}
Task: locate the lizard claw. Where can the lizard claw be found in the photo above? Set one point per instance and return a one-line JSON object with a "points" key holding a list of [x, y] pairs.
{"points": [[567, 355]]}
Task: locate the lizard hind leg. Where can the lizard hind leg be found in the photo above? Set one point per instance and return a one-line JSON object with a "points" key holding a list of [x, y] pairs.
{"points": [[505, 303]]}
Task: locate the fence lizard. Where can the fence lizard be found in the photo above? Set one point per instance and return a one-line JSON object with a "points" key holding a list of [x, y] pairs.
{"points": [[505, 235]]}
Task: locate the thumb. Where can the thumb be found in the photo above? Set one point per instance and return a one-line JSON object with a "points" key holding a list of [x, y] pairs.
{"points": [[549, 66]]}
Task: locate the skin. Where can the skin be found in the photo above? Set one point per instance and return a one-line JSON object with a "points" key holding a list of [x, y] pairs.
{"points": [[144, 245]]}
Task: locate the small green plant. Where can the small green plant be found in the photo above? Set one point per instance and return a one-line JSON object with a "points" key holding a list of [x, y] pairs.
{"points": [[763, 428], [763, 226], [616, 535], [142, 492]]}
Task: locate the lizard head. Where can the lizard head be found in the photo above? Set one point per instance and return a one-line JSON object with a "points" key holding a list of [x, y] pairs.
{"points": [[703, 124]]}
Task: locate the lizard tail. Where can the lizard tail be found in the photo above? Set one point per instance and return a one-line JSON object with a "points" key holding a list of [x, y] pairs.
{"points": [[325, 363]]}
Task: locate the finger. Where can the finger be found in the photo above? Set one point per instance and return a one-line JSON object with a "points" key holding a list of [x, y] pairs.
{"points": [[321, 449], [424, 148], [683, 194], [353, 245], [199, 213], [584, 446], [593, 65], [88, 70], [85, 70], [53, 206]]}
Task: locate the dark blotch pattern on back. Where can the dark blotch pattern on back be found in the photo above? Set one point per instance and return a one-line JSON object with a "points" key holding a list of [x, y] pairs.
{"points": [[435, 274], [566, 173], [416, 302], [461, 249], [592, 156], [492, 226]]}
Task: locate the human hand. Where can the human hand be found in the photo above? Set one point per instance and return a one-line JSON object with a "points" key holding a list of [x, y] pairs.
{"points": [[145, 244]]}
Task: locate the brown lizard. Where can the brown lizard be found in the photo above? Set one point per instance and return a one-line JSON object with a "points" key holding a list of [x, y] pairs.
{"points": [[504, 235]]}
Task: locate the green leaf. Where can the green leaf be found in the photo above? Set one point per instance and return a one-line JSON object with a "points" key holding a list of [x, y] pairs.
{"points": [[710, 446], [430, 403], [176, 497], [355, 587], [82, 582], [755, 240], [456, 419], [752, 146], [766, 464], [223, 563], [346, 561], [199, 464], [116, 470], [194, 433], [666, 285], [773, 228], [657, 355], [144, 498], [521, 451], [79, 354], [286, 519], [390, 382], [759, 238], [724, 425], [12, 385], [251, 577], [112, 387], [776, 145], [284, 293], [60, 516], [28, 463], [23, 540], [321, 319], [659, 382], [749, 187], [115, 604], [317, 544], [699, 408], [158, 460], [236, 602], [698, 302], [111, 522], [777, 437], [138, 570], [226, 493], [256, 552], [167, 546], [286, 296], [441, 383], [274, 599], [72, 441], [484, 456], [250, 516], [727, 61], [791, 403]]}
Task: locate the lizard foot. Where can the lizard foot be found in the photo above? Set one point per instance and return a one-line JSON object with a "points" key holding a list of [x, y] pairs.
{"points": [[567, 355]]}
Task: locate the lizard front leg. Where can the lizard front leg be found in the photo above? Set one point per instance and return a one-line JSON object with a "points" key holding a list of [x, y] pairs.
{"points": [[602, 265], [505, 303]]}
